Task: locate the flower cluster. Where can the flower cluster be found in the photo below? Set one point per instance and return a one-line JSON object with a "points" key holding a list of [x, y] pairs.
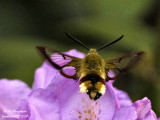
{"points": [[54, 97]]}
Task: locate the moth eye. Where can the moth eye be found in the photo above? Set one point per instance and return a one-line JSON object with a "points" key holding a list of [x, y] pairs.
{"points": [[87, 91], [98, 95]]}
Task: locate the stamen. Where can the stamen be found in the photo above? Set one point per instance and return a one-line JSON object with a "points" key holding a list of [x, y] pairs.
{"points": [[91, 112]]}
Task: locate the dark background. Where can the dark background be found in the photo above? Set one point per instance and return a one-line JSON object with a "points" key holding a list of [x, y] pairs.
{"points": [[25, 24]]}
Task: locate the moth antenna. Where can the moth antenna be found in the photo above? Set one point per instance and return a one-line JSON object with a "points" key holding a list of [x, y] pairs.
{"points": [[74, 39], [108, 44]]}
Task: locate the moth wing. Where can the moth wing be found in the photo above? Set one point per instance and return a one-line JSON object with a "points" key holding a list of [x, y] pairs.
{"points": [[123, 63], [62, 62]]}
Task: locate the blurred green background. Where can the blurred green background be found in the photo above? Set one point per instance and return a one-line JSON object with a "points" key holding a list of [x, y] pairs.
{"points": [[25, 24]]}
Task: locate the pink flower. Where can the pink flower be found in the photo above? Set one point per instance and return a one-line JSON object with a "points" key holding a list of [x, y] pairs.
{"points": [[54, 97]]}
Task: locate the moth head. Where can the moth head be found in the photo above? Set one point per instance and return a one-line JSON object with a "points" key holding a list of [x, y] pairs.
{"points": [[93, 94], [94, 87]]}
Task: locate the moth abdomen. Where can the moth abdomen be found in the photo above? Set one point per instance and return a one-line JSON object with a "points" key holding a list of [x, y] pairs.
{"points": [[94, 78]]}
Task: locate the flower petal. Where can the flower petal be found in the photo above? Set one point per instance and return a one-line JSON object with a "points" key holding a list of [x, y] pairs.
{"points": [[75, 105], [75, 53], [11, 93], [143, 109], [43, 105], [126, 113], [44, 75], [122, 98], [23, 110], [108, 103]]}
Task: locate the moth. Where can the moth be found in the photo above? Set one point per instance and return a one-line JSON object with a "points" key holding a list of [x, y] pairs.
{"points": [[92, 70]]}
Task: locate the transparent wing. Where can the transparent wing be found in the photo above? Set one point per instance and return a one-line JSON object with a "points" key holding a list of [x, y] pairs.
{"points": [[62, 62], [123, 63]]}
